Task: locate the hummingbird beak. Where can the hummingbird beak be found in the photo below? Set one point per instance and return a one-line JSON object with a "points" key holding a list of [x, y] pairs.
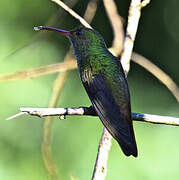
{"points": [[66, 33]]}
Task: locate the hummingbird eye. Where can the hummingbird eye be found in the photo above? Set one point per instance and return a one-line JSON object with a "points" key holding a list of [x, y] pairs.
{"points": [[78, 32]]}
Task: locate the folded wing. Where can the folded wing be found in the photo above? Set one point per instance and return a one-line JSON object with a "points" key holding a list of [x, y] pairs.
{"points": [[109, 111]]}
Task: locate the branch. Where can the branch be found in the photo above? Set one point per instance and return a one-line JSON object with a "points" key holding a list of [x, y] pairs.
{"points": [[89, 111], [71, 12], [91, 10], [117, 26], [133, 21], [44, 70], [158, 73], [100, 168]]}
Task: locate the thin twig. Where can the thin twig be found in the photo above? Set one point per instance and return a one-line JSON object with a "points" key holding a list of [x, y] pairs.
{"points": [[158, 73], [16, 115], [145, 3], [89, 111], [36, 72], [90, 10], [100, 168], [73, 13], [117, 26], [133, 20]]}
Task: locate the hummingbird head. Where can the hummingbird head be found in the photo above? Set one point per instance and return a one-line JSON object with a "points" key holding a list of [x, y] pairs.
{"points": [[85, 41]]}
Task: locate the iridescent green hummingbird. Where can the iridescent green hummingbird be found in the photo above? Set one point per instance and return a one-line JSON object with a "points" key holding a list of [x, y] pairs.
{"points": [[103, 78]]}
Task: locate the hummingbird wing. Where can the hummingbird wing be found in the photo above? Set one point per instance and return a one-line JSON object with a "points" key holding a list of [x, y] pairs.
{"points": [[114, 118]]}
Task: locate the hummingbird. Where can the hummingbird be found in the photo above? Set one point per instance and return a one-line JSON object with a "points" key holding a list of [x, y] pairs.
{"points": [[104, 80]]}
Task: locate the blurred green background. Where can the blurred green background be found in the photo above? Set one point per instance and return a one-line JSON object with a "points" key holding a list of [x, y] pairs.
{"points": [[75, 140]]}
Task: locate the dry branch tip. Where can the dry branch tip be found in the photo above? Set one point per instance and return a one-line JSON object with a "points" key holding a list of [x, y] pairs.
{"points": [[16, 115]]}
